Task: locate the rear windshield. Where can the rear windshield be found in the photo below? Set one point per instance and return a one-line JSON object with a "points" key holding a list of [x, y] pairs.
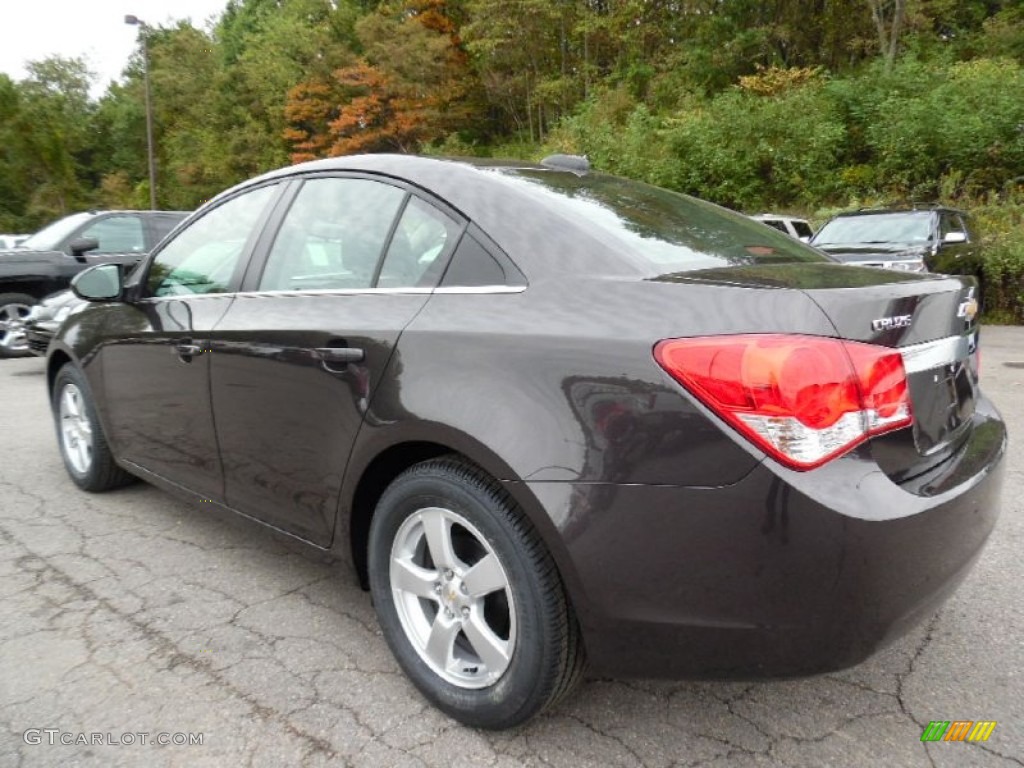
{"points": [[908, 227], [660, 231]]}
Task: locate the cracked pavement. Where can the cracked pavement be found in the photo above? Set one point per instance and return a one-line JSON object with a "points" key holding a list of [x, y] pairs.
{"points": [[134, 612]]}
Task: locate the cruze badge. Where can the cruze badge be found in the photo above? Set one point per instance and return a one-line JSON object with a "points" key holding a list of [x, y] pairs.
{"points": [[968, 308], [888, 323]]}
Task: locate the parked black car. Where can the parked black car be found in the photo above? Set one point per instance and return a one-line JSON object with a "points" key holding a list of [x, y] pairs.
{"points": [[549, 416], [911, 239], [46, 262]]}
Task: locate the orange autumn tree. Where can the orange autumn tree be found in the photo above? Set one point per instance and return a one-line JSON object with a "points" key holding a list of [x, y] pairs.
{"points": [[310, 106], [407, 88]]}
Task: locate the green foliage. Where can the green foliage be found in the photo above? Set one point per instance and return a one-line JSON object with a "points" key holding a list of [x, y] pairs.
{"points": [[1004, 280], [752, 104], [999, 216], [920, 122], [45, 132]]}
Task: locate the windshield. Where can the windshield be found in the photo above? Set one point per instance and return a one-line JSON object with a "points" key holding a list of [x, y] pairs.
{"points": [[658, 230], [908, 227], [50, 238]]}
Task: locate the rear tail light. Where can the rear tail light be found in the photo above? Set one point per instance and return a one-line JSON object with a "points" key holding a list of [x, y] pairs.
{"points": [[802, 399]]}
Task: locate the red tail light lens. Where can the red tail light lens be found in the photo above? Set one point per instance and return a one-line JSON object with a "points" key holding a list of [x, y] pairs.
{"points": [[802, 399]]}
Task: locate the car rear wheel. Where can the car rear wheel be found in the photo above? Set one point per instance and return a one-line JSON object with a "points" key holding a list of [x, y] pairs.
{"points": [[83, 447], [468, 597], [14, 309]]}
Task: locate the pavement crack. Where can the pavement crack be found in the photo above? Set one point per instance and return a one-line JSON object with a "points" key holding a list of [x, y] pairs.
{"points": [[173, 654]]}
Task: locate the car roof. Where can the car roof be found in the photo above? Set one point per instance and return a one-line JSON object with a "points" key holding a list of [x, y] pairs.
{"points": [[476, 189], [899, 209]]}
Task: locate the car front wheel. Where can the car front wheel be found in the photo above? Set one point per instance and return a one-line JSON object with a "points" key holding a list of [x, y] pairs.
{"points": [[83, 446], [468, 597]]}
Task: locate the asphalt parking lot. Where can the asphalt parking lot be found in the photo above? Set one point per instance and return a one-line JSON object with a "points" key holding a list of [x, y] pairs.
{"points": [[137, 617]]}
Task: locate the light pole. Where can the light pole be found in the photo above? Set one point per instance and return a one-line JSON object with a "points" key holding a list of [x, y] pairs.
{"points": [[143, 34]]}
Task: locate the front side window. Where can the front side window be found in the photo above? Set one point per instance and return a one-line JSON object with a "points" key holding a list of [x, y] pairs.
{"points": [[333, 236], [204, 256], [117, 234], [950, 223]]}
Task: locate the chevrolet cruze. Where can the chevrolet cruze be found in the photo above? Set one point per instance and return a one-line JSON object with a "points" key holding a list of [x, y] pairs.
{"points": [[556, 420]]}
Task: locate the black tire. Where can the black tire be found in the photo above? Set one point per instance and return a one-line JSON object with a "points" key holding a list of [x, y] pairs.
{"points": [[9, 301], [102, 473], [547, 658]]}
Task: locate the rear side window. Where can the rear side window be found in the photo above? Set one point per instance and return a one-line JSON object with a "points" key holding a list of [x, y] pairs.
{"points": [[161, 225], [333, 236], [474, 265], [423, 237], [775, 224], [802, 229]]}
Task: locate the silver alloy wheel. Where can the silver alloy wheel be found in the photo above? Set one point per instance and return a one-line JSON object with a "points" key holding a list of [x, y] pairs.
{"points": [[459, 616], [75, 429], [12, 327]]}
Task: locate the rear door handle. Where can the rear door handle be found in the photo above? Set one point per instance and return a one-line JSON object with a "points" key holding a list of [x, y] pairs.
{"points": [[339, 355]]}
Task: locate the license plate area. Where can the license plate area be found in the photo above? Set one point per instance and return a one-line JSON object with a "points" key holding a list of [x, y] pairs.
{"points": [[943, 396]]}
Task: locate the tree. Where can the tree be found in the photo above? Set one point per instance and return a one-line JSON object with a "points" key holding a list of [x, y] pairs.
{"points": [[888, 17], [53, 121], [409, 87]]}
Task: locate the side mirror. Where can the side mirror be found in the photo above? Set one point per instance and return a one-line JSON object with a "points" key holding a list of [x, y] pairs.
{"points": [[954, 237], [80, 245], [100, 283]]}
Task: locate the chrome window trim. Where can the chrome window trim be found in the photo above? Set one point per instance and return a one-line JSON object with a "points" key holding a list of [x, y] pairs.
{"points": [[938, 353], [182, 296], [454, 289], [482, 289]]}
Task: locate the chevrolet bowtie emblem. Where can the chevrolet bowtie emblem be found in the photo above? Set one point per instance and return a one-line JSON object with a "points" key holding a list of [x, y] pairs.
{"points": [[968, 308]]}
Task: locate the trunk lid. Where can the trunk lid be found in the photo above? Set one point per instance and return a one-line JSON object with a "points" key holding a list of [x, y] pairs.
{"points": [[931, 319]]}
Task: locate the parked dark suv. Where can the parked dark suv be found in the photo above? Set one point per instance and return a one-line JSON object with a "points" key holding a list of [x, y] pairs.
{"points": [[911, 239], [47, 261]]}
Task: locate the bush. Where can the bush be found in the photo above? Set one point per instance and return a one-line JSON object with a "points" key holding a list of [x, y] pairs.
{"points": [[1000, 219], [1004, 281], [751, 151], [922, 122]]}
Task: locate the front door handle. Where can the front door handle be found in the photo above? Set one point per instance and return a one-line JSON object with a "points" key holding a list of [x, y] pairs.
{"points": [[187, 350], [342, 355]]}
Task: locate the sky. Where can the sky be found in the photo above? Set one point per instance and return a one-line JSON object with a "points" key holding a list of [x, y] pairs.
{"points": [[95, 29]]}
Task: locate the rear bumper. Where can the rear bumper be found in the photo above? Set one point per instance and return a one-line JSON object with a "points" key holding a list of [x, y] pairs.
{"points": [[783, 573]]}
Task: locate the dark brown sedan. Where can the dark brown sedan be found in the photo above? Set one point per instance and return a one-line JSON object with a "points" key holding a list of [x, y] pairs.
{"points": [[553, 418]]}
